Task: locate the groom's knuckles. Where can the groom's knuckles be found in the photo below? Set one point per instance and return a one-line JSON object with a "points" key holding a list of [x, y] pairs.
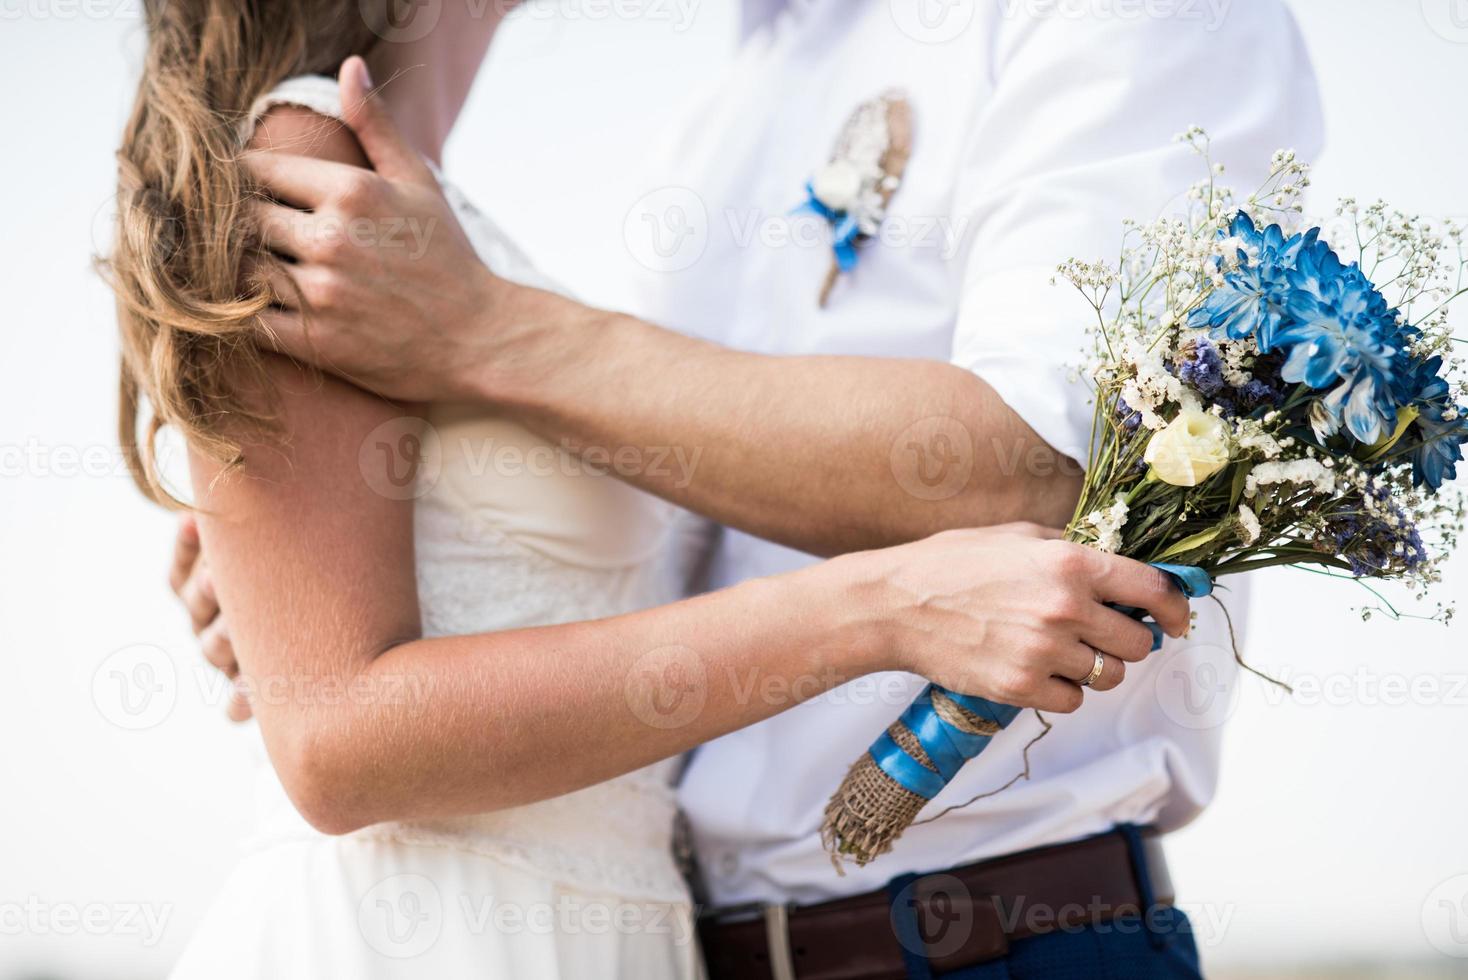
{"points": [[323, 288], [1016, 685], [359, 193], [1069, 564]]}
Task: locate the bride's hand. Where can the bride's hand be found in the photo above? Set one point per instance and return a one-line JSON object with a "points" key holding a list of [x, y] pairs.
{"points": [[1011, 613], [189, 578]]}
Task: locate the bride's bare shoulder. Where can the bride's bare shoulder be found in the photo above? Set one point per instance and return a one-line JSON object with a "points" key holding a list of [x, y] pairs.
{"points": [[304, 132]]}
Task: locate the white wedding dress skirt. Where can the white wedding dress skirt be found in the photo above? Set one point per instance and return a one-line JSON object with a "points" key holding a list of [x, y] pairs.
{"points": [[509, 533]]}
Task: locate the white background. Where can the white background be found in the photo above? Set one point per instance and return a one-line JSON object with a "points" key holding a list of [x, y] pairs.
{"points": [[1339, 831]]}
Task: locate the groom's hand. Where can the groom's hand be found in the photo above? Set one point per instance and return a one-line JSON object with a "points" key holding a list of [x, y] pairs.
{"points": [[392, 292]]}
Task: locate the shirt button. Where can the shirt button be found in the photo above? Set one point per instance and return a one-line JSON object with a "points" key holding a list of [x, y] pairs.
{"points": [[729, 864]]}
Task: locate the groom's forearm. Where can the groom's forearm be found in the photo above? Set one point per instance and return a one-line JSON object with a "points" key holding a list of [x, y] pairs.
{"points": [[824, 454]]}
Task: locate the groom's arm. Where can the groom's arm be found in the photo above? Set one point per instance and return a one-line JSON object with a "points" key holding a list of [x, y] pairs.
{"points": [[824, 454]]}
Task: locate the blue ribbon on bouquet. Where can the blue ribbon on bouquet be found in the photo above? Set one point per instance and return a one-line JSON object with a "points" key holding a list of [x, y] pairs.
{"points": [[843, 223], [948, 748]]}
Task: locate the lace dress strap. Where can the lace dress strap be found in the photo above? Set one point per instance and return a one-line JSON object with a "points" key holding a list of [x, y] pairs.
{"points": [[315, 92]]}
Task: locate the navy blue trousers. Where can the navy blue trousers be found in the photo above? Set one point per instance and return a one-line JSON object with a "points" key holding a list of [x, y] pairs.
{"points": [[1155, 945], [1119, 950]]}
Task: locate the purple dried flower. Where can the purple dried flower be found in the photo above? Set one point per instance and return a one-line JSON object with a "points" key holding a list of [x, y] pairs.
{"points": [[1201, 365]]}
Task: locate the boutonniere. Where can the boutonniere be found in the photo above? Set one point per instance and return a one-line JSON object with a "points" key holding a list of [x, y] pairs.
{"points": [[855, 186]]}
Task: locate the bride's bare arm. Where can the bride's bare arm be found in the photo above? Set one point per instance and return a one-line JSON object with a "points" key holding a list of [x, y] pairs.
{"points": [[366, 721]]}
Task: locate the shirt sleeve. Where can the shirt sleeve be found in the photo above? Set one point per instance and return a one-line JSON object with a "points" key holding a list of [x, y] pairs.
{"points": [[1080, 133]]}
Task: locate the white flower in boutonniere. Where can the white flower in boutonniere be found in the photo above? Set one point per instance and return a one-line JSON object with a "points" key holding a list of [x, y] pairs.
{"points": [[852, 190], [837, 185]]}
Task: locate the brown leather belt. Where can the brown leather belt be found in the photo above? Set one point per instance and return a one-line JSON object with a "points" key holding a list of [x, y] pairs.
{"points": [[955, 918]]}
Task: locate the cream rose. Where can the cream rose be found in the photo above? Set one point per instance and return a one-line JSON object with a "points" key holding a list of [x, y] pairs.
{"points": [[1189, 449], [837, 185]]}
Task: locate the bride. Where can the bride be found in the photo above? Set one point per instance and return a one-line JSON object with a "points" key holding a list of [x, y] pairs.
{"points": [[472, 679]]}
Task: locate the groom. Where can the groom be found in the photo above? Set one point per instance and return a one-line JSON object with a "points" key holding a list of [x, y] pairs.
{"points": [[929, 390]]}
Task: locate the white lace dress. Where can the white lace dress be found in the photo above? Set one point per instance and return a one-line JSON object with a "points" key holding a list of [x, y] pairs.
{"points": [[509, 533]]}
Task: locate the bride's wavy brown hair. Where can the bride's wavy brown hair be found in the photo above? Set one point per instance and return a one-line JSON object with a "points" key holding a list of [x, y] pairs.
{"points": [[189, 314]]}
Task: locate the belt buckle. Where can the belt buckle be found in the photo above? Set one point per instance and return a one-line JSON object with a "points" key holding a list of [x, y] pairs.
{"points": [[777, 940]]}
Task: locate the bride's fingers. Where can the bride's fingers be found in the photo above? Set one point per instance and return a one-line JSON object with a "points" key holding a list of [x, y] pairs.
{"points": [[198, 597], [239, 703], [185, 553], [217, 648]]}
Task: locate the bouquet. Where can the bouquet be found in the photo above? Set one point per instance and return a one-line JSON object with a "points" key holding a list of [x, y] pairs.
{"points": [[1261, 398]]}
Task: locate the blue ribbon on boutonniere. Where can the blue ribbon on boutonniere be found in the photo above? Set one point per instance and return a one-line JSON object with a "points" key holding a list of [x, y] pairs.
{"points": [[843, 225], [948, 747]]}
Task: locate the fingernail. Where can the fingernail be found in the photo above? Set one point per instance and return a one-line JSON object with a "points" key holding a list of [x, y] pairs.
{"points": [[366, 75]]}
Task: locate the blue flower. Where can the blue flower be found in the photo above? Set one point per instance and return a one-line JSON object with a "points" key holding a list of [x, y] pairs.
{"points": [[1251, 300], [1340, 331], [1442, 429]]}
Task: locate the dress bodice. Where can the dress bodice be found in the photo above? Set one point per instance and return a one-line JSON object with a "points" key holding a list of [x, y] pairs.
{"points": [[512, 531]]}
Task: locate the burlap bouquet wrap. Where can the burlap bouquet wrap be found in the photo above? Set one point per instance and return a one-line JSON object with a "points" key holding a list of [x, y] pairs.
{"points": [[921, 753]]}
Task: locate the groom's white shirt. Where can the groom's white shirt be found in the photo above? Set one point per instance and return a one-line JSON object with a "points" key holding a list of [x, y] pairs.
{"points": [[1039, 126]]}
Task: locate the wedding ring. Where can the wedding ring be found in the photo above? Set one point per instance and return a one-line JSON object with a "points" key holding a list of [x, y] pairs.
{"points": [[1095, 674]]}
